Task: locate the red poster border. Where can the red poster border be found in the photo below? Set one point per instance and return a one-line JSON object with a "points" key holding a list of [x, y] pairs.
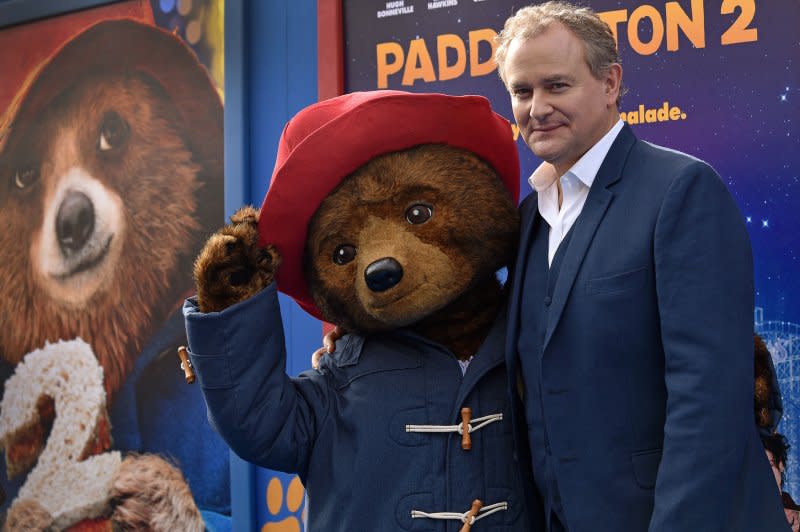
{"points": [[330, 49]]}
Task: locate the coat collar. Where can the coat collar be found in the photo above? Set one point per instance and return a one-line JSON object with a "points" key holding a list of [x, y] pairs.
{"points": [[410, 349], [490, 355]]}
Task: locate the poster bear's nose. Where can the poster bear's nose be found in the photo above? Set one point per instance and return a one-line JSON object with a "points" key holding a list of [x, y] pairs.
{"points": [[74, 222], [383, 274]]}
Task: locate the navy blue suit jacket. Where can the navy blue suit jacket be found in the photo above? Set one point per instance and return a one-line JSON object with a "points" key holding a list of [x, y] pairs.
{"points": [[647, 367]]}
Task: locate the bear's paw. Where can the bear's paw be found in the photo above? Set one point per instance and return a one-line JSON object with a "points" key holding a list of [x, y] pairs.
{"points": [[232, 267]]}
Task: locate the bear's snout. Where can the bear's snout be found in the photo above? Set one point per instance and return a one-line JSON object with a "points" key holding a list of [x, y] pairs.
{"points": [[74, 222], [383, 274]]}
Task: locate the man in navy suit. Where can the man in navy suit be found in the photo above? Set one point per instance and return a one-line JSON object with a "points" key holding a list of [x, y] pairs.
{"points": [[631, 333]]}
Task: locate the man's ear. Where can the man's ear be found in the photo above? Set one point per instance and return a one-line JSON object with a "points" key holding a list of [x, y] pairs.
{"points": [[613, 83]]}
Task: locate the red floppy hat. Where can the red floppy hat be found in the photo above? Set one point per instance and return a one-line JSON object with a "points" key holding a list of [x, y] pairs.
{"points": [[327, 141]]}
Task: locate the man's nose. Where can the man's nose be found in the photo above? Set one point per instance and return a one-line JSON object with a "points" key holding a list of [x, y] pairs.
{"points": [[540, 106]]}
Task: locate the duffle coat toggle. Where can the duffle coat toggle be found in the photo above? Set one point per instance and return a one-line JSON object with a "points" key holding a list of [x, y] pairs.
{"points": [[464, 428], [475, 513]]}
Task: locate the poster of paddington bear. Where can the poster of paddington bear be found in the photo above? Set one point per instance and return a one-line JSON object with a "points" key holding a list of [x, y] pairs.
{"points": [[111, 177]]}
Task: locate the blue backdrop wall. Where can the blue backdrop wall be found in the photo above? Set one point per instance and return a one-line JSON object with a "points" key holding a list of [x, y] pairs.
{"points": [[270, 74]]}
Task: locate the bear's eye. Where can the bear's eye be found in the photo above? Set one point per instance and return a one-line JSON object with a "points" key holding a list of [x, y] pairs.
{"points": [[26, 177], [114, 131], [419, 213], [344, 254]]}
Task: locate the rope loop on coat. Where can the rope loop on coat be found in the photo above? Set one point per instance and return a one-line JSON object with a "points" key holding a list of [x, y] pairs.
{"points": [[476, 424], [463, 517]]}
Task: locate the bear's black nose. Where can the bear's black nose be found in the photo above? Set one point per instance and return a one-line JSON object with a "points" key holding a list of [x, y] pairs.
{"points": [[74, 222], [383, 274]]}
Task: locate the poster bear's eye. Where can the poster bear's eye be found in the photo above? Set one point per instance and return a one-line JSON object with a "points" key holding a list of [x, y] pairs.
{"points": [[344, 254], [114, 131], [26, 177], [418, 213]]}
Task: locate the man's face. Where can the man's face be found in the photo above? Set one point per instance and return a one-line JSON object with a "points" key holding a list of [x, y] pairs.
{"points": [[560, 108]]}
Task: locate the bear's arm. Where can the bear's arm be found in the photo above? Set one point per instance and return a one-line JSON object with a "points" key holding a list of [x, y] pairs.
{"points": [[239, 356]]}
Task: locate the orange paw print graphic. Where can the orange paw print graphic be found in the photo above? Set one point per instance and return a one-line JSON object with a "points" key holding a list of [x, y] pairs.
{"points": [[280, 503]]}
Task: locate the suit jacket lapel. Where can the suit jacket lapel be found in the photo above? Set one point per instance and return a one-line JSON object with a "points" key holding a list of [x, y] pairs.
{"points": [[586, 225]]}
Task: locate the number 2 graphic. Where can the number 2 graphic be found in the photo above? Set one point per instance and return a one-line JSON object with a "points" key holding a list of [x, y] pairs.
{"points": [[66, 481]]}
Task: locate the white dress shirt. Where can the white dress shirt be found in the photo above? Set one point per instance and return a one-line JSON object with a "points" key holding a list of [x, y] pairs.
{"points": [[575, 184]]}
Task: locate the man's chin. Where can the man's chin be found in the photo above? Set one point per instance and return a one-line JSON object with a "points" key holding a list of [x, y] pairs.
{"points": [[545, 150]]}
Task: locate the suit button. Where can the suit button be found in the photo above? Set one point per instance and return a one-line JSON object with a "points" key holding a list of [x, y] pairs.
{"points": [[547, 301]]}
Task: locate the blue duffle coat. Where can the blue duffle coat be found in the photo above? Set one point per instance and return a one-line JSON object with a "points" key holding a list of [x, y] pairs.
{"points": [[344, 428]]}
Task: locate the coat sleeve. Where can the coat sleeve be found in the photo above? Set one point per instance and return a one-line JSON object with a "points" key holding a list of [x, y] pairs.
{"points": [[704, 282], [239, 356]]}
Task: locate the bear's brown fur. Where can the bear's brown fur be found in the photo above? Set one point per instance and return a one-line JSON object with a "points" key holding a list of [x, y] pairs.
{"points": [[28, 516], [99, 208], [448, 291], [166, 506], [132, 276], [229, 269]]}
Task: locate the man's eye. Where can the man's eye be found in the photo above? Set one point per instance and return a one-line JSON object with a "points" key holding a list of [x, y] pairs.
{"points": [[418, 214], [344, 254]]}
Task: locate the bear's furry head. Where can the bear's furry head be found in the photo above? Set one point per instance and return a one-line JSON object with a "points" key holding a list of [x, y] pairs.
{"points": [[372, 136], [103, 168], [405, 235]]}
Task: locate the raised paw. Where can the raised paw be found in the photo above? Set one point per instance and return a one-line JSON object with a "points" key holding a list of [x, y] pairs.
{"points": [[232, 267]]}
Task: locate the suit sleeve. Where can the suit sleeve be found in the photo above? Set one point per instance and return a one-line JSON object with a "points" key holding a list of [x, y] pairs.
{"points": [[704, 280], [239, 356]]}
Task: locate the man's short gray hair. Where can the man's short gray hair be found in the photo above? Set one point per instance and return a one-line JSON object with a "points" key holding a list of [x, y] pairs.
{"points": [[599, 43]]}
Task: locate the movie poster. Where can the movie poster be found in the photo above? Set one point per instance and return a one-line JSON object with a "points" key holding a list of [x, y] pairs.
{"points": [[111, 179], [717, 79]]}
